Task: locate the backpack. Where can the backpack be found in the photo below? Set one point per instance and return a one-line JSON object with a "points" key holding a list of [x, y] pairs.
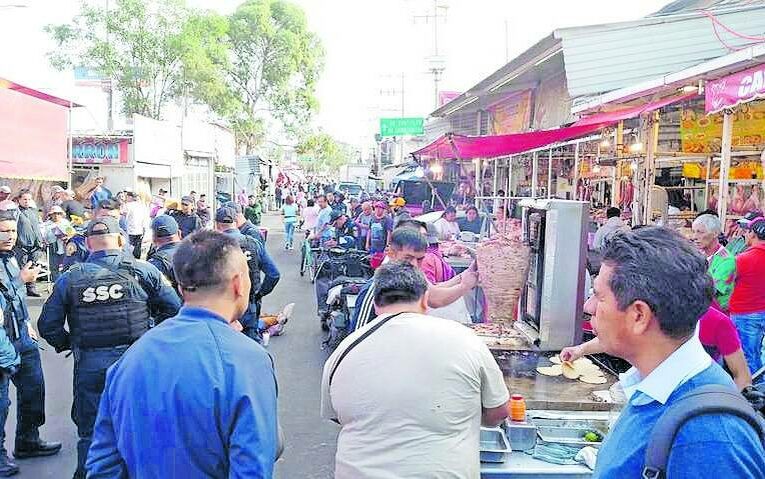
{"points": [[710, 399]]}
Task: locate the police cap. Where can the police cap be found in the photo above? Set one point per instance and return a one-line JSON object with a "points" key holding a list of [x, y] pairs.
{"points": [[103, 226]]}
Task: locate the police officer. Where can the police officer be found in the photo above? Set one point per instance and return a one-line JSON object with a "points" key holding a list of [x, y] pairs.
{"points": [[258, 260], [244, 225], [28, 379], [107, 302], [166, 238], [9, 364]]}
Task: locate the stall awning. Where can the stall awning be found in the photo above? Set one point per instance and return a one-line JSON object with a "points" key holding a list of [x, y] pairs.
{"points": [[33, 134], [469, 147]]}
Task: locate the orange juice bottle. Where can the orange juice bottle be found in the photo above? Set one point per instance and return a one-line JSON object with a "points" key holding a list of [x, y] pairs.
{"points": [[517, 408]]}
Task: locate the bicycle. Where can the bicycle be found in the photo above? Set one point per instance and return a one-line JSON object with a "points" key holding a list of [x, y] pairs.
{"points": [[308, 260]]}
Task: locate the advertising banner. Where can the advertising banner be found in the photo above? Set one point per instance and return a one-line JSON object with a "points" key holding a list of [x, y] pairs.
{"points": [[702, 133], [735, 89], [99, 151], [511, 115]]}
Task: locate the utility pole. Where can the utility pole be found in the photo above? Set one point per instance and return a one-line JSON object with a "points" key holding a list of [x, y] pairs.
{"points": [[436, 64]]}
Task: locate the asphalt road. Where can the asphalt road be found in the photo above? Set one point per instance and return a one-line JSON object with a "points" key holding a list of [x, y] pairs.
{"points": [[310, 441]]}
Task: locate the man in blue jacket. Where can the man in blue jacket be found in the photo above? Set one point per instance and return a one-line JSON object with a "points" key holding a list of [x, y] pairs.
{"points": [[652, 288], [216, 415], [108, 302], [28, 379]]}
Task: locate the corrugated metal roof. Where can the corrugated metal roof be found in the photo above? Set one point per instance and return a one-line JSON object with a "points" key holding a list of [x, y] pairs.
{"points": [[604, 58], [680, 6]]}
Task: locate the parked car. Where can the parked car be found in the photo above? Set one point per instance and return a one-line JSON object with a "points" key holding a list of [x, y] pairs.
{"points": [[350, 189]]}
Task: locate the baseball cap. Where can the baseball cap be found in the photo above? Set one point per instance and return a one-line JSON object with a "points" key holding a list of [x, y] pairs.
{"points": [[110, 204], [336, 214], [103, 226], [380, 204], [69, 192], [5, 189], [56, 189], [234, 206], [164, 225], [188, 200], [398, 201], [225, 214], [55, 209], [749, 219]]}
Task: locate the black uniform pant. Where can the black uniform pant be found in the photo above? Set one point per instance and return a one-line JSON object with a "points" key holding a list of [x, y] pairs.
{"points": [[90, 367], [30, 393], [135, 242]]}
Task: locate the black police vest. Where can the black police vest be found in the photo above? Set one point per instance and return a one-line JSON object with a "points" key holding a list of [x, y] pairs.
{"points": [[251, 249], [108, 307], [165, 257], [10, 321]]}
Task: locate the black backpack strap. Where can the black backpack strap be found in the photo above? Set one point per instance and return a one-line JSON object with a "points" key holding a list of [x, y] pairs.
{"points": [[358, 341], [710, 399]]}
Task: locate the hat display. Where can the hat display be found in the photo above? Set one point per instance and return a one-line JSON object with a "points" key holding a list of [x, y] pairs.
{"points": [[225, 214], [164, 225], [103, 226]]}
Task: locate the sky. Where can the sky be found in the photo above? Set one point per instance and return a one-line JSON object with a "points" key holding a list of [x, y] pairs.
{"points": [[369, 45]]}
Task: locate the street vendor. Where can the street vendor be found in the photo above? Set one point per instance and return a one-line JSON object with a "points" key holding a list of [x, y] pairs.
{"points": [[472, 221], [447, 225], [410, 245]]}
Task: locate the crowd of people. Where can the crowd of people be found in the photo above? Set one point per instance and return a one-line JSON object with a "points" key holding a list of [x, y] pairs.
{"points": [[104, 299]]}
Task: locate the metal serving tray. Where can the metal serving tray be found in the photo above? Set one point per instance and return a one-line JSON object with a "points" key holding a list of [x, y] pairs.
{"points": [[570, 431], [494, 446]]}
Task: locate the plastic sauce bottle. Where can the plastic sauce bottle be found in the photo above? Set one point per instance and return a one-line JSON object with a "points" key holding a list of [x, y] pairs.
{"points": [[517, 408]]}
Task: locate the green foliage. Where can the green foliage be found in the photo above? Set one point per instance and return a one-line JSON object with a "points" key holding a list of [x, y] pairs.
{"points": [[154, 50], [320, 153], [259, 63], [276, 62]]}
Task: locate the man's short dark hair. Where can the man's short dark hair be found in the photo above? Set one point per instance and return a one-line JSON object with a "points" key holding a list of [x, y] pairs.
{"points": [[202, 260], [408, 238], [661, 268], [613, 212], [411, 223], [398, 283]]}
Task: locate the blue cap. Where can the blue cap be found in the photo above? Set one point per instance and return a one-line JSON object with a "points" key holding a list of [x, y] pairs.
{"points": [[104, 225], [234, 206], [164, 225], [225, 214]]}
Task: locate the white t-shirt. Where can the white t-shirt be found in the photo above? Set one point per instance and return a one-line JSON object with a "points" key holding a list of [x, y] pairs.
{"points": [[136, 218], [447, 230], [409, 399]]}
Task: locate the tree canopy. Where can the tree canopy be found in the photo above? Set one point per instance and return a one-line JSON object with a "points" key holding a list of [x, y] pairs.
{"points": [[260, 63], [320, 153]]}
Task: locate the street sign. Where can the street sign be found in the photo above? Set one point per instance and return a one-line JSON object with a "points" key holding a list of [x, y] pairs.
{"points": [[402, 126]]}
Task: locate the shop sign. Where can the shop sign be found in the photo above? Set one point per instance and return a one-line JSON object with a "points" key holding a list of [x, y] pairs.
{"points": [[735, 89], [402, 126], [511, 115], [99, 151], [702, 133]]}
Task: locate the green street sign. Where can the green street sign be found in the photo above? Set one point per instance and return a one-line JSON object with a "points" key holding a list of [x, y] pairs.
{"points": [[402, 126]]}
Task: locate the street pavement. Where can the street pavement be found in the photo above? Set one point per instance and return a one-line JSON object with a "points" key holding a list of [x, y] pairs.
{"points": [[310, 441]]}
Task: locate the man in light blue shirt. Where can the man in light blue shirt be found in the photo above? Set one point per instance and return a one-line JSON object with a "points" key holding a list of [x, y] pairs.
{"points": [[650, 292], [194, 397]]}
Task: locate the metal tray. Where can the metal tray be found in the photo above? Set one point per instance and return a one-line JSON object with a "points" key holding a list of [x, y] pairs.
{"points": [[494, 446], [568, 434]]}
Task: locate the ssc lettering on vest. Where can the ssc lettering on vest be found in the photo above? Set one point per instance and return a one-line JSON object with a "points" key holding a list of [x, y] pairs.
{"points": [[102, 293]]}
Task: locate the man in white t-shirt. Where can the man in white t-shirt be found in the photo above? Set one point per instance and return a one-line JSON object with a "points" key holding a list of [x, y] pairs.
{"points": [[409, 390], [136, 217]]}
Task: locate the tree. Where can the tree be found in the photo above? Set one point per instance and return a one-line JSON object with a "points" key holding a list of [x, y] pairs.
{"points": [[154, 50], [320, 153], [275, 64]]}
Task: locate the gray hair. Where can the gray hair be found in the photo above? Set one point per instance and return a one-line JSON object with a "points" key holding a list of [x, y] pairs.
{"points": [[711, 223], [657, 266], [398, 283]]}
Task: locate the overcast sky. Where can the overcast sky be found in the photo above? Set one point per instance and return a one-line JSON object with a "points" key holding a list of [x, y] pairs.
{"points": [[369, 44]]}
